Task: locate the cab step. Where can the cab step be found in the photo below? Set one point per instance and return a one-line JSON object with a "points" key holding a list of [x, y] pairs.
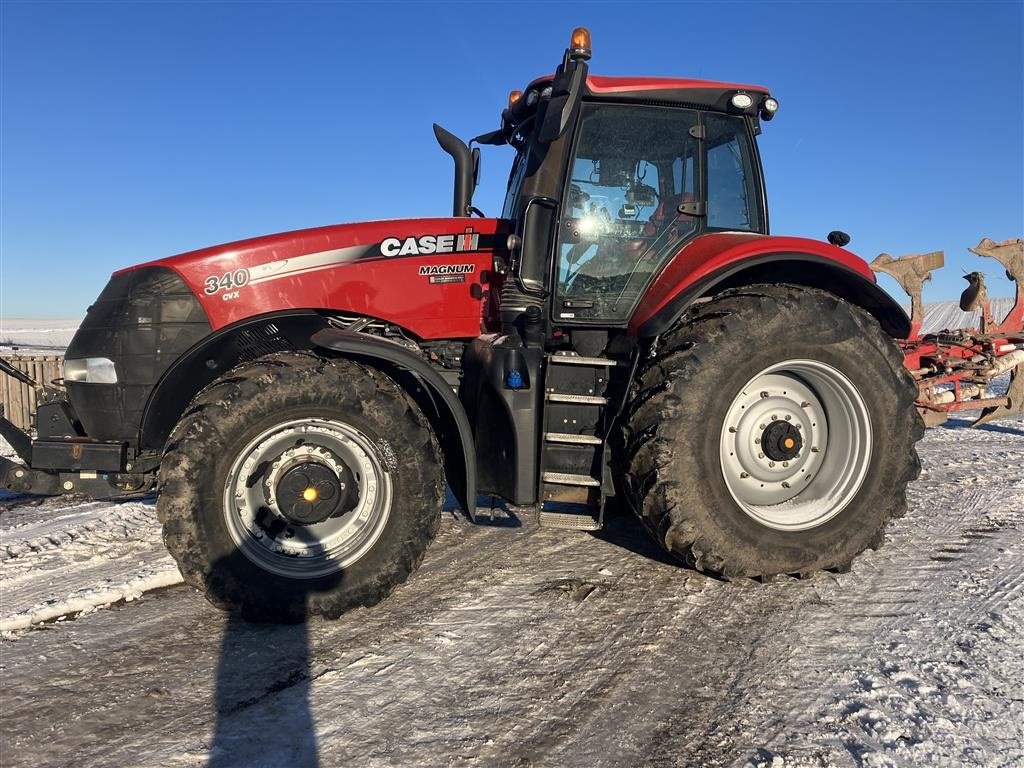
{"points": [[584, 521], [573, 359], [562, 397], [571, 439], [564, 478]]}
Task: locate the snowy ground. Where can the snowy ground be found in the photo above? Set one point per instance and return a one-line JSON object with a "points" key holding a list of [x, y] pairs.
{"points": [[28, 336], [516, 645]]}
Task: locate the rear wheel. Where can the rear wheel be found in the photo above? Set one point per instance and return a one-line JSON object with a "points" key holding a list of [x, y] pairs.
{"points": [[773, 432], [296, 485]]}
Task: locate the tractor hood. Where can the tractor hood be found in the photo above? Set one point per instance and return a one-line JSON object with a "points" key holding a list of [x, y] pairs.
{"points": [[425, 275]]}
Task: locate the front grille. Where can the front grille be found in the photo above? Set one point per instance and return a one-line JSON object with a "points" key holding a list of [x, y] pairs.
{"points": [[143, 321]]}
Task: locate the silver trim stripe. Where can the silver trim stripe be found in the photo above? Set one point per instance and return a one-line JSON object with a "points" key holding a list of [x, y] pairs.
{"points": [[300, 265]]}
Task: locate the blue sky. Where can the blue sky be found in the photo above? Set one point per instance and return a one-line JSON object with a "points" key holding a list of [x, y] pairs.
{"points": [[134, 131]]}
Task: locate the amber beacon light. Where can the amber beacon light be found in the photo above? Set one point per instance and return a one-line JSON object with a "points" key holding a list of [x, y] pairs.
{"points": [[579, 44]]}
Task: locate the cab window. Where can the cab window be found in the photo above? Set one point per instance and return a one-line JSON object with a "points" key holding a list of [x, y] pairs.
{"points": [[633, 167], [733, 195]]}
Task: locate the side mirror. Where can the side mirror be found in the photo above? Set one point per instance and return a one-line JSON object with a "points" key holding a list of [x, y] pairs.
{"points": [[475, 152]]}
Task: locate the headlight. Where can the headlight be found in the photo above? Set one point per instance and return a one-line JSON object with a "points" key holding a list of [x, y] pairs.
{"points": [[742, 100], [93, 370]]}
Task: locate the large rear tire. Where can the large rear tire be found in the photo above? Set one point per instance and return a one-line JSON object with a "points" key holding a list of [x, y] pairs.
{"points": [[772, 432], [296, 485]]}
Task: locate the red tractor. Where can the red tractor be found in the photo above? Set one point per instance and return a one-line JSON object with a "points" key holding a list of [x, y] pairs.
{"points": [[627, 327]]}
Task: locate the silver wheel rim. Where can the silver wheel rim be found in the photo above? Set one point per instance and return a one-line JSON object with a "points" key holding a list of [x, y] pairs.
{"points": [[820, 410], [270, 539]]}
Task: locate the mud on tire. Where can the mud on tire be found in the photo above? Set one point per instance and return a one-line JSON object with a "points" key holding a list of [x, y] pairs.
{"points": [[673, 464], [224, 420]]}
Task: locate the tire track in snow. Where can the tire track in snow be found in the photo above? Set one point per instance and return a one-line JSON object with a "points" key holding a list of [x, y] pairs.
{"points": [[83, 557]]}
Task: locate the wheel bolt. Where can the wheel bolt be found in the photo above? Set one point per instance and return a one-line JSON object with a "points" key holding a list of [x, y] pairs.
{"points": [[732, 429], [785, 484], [789, 418], [805, 404], [771, 463], [760, 455], [761, 426], [744, 475], [774, 417], [764, 395], [815, 450], [785, 463], [757, 440]]}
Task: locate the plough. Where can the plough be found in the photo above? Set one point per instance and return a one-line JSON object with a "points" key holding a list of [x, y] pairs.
{"points": [[954, 367]]}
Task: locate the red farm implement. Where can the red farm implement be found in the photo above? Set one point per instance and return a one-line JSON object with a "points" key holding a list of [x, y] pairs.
{"points": [[954, 367]]}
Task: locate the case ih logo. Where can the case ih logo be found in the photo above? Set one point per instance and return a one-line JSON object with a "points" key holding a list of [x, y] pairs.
{"points": [[427, 244]]}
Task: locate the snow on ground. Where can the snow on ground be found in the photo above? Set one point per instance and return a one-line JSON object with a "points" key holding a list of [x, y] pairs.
{"points": [[57, 560], [30, 336], [516, 645]]}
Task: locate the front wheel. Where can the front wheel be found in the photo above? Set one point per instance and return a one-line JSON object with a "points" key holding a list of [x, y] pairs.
{"points": [[773, 432], [296, 486]]}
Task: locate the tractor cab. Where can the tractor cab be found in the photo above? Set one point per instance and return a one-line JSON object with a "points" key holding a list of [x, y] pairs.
{"points": [[613, 175]]}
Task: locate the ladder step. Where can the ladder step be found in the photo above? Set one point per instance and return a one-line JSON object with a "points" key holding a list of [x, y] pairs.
{"points": [[564, 478], [565, 437], [585, 522], [580, 360], [561, 397]]}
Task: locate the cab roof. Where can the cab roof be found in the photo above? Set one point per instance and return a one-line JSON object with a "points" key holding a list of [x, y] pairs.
{"points": [[709, 94]]}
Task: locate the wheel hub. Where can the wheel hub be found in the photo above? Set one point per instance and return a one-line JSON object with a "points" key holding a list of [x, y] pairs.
{"points": [[781, 441], [311, 492]]}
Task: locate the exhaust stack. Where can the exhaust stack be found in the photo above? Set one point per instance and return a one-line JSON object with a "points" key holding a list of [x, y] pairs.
{"points": [[460, 153]]}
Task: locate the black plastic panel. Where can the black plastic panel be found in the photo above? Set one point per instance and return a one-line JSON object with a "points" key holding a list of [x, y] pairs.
{"points": [[143, 321]]}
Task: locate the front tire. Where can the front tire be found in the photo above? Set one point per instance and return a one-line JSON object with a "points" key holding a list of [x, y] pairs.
{"points": [[296, 485], [772, 432]]}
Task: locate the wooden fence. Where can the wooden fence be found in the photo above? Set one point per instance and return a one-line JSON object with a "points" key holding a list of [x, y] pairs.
{"points": [[20, 399]]}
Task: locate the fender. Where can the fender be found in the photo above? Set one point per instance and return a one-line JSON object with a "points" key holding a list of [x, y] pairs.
{"points": [[212, 357], [715, 262], [454, 424]]}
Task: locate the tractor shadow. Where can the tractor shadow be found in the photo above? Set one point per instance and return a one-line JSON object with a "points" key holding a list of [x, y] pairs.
{"points": [[490, 511], [263, 710], [622, 529]]}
